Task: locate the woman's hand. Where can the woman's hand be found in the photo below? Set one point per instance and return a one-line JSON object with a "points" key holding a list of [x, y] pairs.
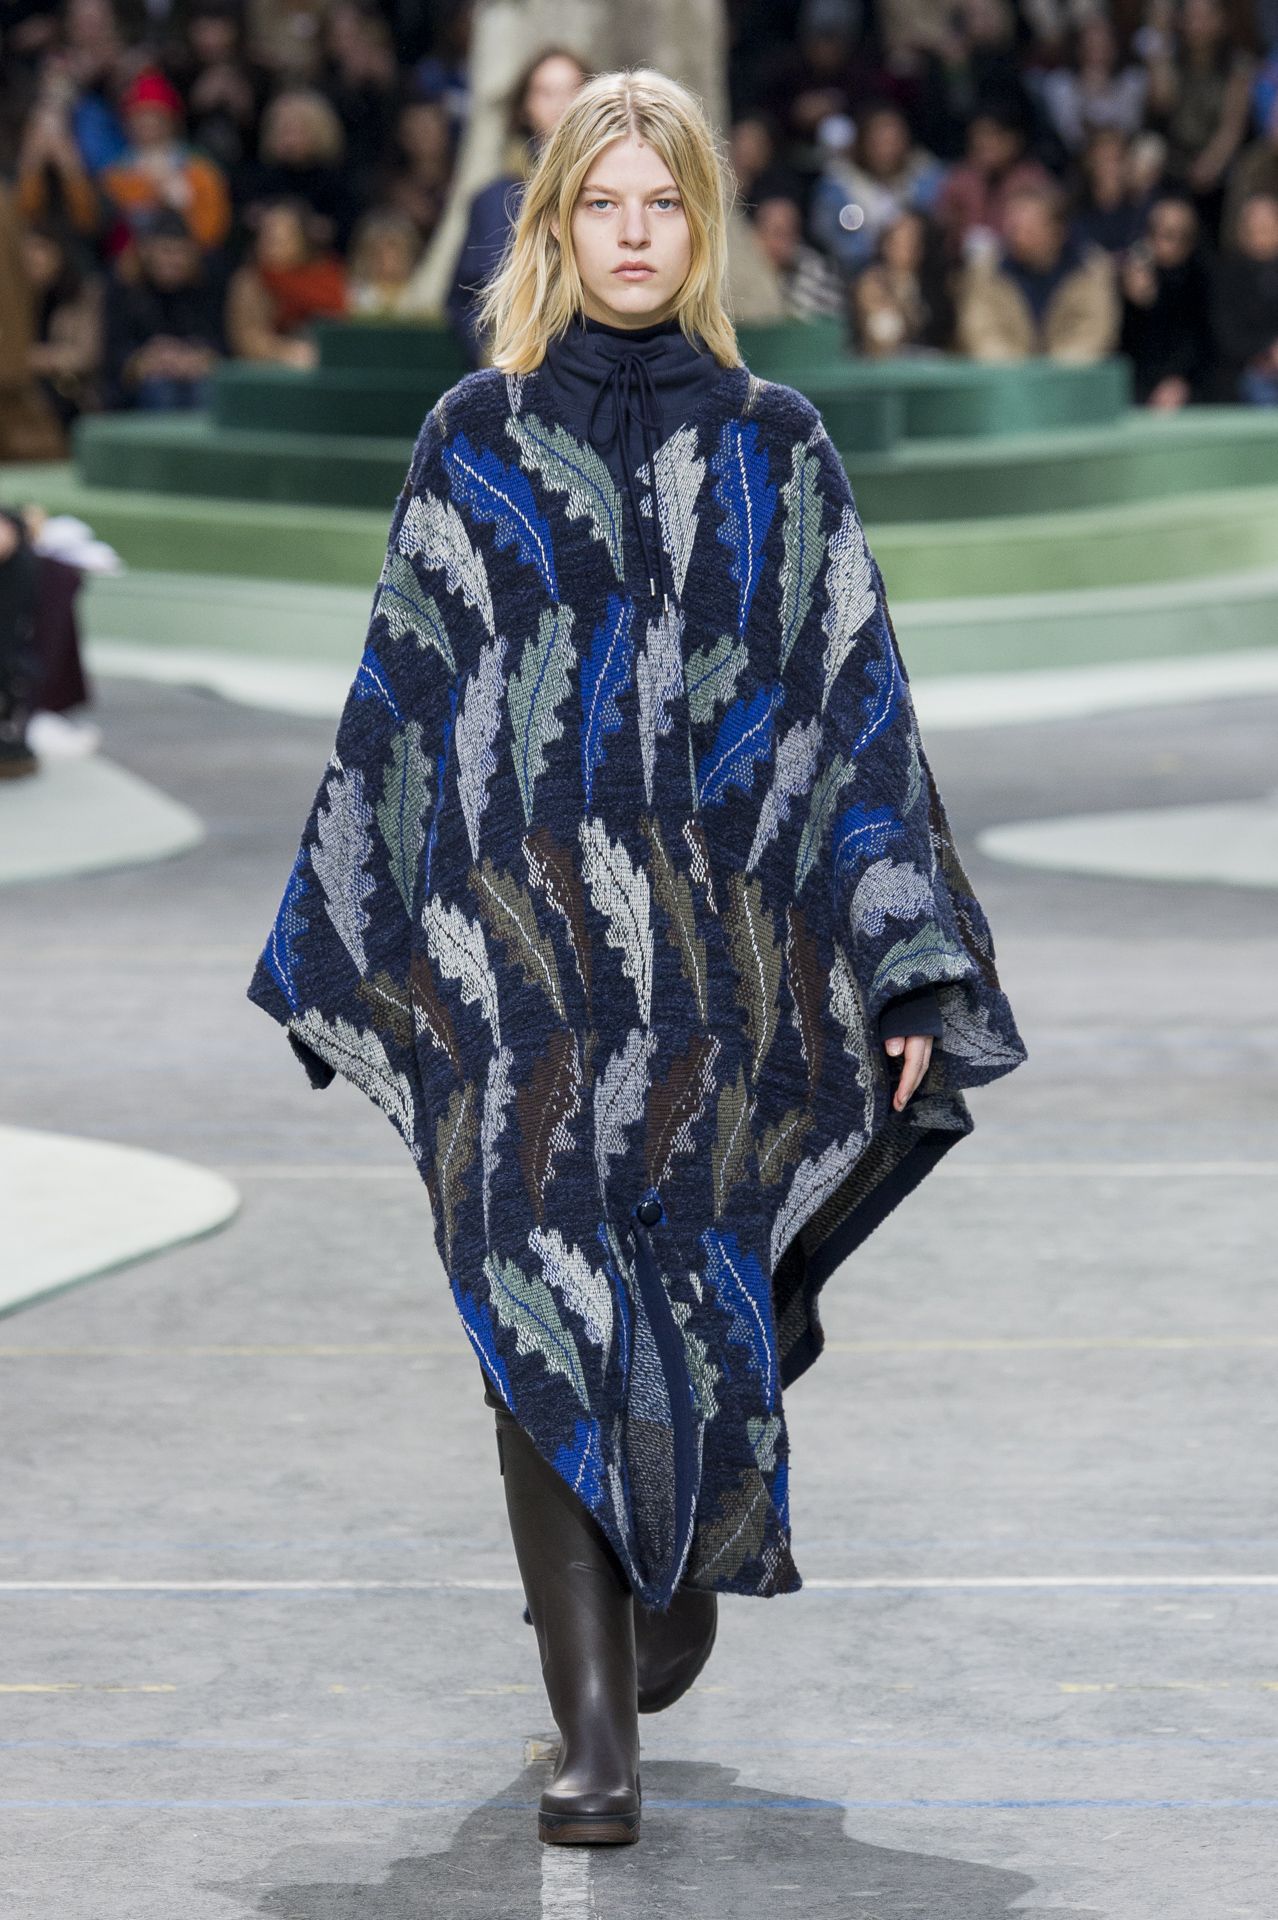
{"points": [[917, 1048]]}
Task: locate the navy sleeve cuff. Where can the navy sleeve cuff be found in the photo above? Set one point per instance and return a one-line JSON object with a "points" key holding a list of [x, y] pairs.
{"points": [[918, 1011]]}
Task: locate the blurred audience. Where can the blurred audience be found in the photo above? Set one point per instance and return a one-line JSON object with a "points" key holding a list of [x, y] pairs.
{"points": [[861, 192], [537, 103], [158, 169], [996, 165], [1245, 305], [1039, 292], [289, 280], [808, 281], [1166, 289], [66, 331], [385, 253], [1000, 178], [163, 323], [301, 156], [900, 302], [1112, 203]]}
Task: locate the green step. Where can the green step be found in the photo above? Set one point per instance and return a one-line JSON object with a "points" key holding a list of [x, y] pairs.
{"points": [[376, 403], [396, 346], [1189, 537], [356, 402], [313, 625], [185, 454], [1144, 456]]}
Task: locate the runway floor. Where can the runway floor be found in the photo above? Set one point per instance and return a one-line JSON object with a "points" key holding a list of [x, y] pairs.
{"points": [[261, 1644]]}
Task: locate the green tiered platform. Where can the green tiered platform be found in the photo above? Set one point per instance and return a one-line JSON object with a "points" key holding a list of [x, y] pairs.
{"points": [[979, 484]]}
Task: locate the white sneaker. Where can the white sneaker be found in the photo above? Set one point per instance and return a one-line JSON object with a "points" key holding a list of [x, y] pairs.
{"points": [[51, 736]]}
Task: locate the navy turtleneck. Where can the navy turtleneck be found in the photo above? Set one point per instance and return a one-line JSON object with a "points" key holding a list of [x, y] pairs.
{"points": [[625, 390]]}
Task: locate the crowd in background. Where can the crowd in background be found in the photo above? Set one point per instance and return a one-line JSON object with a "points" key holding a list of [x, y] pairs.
{"points": [[187, 180]]}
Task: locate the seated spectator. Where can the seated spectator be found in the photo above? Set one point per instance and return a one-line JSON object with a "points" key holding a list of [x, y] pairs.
{"points": [[19, 577], [859, 194], [900, 302], [974, 196], [1166, 308], [808, 283], [1254, 171], [754, 147], [224, 89], [1041, 292], [66, 345], [385, 253], [419, 168], [1095, 89], [163, 328], [160, 170], [1245, 305], [98, 66], [29, 427], [288, 282], [52, 179], [1200, 100], [302, 156], [970, 67], [1112, 208], [361, 83]]}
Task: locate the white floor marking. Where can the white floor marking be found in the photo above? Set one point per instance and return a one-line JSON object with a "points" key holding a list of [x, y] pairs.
{"points": [[279, 685], [886, 1584], [565, 1883], [74, 1207], [87, 816], [1230, 843], [951, 700]]}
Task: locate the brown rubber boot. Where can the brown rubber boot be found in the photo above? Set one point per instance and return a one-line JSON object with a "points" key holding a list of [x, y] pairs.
{"points": [[671, 1648], [582, 1611]]}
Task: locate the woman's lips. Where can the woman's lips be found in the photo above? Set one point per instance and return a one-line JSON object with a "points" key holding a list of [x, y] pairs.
{"points": [[632, 273]]}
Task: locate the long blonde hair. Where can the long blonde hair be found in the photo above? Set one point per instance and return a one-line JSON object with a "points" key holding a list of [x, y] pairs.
{"points": [[537, 290]]}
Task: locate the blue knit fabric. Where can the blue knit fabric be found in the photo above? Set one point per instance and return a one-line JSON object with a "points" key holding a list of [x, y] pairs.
{"points": [[600, 902]]}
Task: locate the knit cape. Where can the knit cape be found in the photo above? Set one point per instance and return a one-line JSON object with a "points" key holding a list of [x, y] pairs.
{"points": [[599, 900]]}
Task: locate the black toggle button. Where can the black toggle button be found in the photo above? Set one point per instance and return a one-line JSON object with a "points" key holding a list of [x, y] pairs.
{"points": [[648, 1213]]}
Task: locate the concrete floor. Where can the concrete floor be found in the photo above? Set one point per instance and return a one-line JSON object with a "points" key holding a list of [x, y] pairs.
{"points": [[261, 1645]]}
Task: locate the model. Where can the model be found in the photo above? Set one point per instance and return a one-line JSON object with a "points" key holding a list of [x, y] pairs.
{"points": [[628, 895]]}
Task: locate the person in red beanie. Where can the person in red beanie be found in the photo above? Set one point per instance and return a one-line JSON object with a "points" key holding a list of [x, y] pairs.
{"points": [[160, 170]]}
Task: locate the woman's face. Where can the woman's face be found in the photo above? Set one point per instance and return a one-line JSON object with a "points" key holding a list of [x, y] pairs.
{"points": [[391, 259], [280, 240], [1096, 44], [630, 214], [551, 86], [423, 131], [291, 133], [886, 144]]}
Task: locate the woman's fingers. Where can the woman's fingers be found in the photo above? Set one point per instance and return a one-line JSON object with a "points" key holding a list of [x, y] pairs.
{"points": [[917, 1056]]}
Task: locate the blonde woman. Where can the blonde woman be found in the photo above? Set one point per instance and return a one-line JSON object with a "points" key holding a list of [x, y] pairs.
{"points": [[629, 897], [302, 150]]}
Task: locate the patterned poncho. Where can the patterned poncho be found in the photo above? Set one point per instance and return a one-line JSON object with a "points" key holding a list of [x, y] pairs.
{"points": [[601, 895]]}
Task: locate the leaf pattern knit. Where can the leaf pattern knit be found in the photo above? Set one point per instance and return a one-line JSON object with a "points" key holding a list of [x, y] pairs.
{"points": [[600, 899]]}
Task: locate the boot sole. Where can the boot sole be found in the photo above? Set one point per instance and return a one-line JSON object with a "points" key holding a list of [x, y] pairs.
{"points": [[588, 1829]]}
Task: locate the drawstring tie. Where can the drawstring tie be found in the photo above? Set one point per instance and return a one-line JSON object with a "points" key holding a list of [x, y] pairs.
{"points": [[634, 403]]}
